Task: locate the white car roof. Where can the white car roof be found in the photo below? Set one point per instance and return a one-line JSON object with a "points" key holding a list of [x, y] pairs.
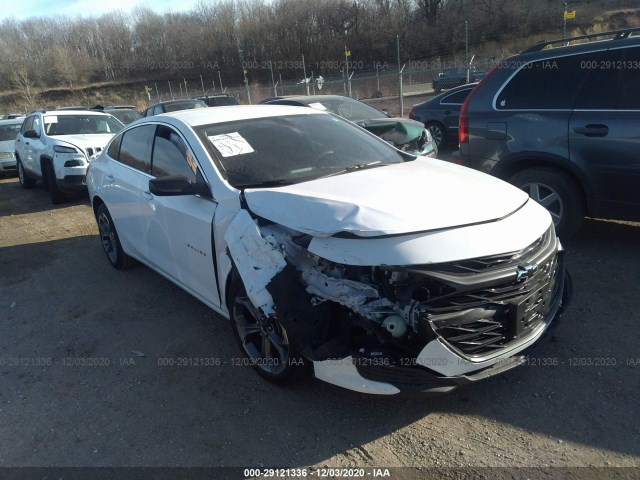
{"points": [[205, 116], [12, 121], [73, 112]]}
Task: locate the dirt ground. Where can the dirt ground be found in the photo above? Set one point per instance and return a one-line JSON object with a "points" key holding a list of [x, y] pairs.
{"points": [[91, 374]]}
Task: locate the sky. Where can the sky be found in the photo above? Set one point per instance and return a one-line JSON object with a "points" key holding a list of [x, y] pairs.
{"points": [[23, 9]]}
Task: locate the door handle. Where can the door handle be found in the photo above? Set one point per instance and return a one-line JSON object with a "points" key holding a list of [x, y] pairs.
{"points": [[147, 195], [26, 143], [109, 178], [592, 130], [447, 112]]}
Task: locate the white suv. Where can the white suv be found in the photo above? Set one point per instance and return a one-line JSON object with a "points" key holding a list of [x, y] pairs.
{"points": [[57, 146]]}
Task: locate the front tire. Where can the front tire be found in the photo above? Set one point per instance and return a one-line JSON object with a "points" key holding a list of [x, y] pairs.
{"points": [[26, 181], [558, 193], [110, 240], [264, 341]]}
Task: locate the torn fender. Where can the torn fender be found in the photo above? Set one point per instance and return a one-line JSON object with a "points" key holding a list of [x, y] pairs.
{"points": [[255, 258]]}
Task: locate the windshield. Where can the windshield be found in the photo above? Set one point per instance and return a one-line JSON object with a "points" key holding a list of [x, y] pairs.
{"points": [[9, 132], [81, 124], [347, 108], [261, 152], [125, 116], [186, 105]]}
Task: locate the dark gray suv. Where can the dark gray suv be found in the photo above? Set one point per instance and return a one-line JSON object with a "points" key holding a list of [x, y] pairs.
{"points": [[563, 123]]}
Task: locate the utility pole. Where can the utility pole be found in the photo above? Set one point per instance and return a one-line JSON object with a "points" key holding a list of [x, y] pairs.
{"points": [[246, 84], [304, 72], [346, 65], [220, 78], [202, 83], [564, 17], [466, 47], [273, 81], [170, 91], [400, 69]]}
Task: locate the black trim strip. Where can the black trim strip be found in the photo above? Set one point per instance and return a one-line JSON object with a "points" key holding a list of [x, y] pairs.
{"points": [[214, 258]]}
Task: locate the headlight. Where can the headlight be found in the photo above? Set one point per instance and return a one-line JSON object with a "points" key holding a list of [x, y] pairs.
{"points": [[62, 149], [6, 154]]}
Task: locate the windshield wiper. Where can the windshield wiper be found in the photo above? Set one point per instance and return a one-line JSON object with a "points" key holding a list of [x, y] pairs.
{"points": [[358, 166], [265, 184]]}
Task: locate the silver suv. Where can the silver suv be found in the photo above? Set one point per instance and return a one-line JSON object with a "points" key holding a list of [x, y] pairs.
{"points": [[57, 146]]}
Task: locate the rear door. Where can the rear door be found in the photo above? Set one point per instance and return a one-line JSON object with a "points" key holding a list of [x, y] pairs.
{"points": [[450, 107], [127, 187], [604, 133]]}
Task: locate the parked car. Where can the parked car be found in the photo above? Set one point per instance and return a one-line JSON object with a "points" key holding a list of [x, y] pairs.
{"points": [[331, 251], [453, 78], [173, 106], [219, 100], [125, 113], [404, 134], [8, 131], [57, 146], [440, 113], [562, 123]]}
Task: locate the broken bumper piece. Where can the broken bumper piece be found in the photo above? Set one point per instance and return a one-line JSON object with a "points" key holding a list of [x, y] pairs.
{"points": [[363, 375]]}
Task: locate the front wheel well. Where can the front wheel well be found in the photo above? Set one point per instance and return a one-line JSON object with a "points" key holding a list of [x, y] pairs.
{"points": [[96, 202]]}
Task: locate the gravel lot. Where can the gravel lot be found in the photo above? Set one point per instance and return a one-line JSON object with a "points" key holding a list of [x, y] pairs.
{"points": [[84, 380]]}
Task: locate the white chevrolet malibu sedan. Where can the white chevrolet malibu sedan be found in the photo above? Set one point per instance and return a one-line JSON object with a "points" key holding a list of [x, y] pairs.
{"points": [[330, 251]]}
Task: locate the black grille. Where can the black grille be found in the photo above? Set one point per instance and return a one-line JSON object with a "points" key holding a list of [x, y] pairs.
{"points": [[93, 151], [482, 321]]}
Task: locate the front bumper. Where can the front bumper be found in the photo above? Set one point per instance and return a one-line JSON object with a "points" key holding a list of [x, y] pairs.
{"points": [[485, 330], [73, 183], [8, 165]]}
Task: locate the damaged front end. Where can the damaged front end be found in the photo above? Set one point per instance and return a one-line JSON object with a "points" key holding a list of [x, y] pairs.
{"points": [[406, 135], [385, 329]]}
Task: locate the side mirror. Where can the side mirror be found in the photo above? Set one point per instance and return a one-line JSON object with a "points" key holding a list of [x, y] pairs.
{"points": [[171, 185], [175, 185], [30, 134], [385, 112]]}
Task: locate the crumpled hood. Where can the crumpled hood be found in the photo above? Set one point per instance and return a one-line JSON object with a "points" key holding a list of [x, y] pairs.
{"points": [[85, 141], [421, 195], [400, 131]]}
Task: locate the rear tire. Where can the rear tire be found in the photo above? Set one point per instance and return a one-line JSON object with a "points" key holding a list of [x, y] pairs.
{"points": [[26, 181], [57, 196], [558, 193], [265, 343], [110, 240]]}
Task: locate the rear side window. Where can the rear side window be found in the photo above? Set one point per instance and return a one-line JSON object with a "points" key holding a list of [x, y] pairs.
{"points": [[171, 155], [135, 147], [457, 98], [551, 84]]}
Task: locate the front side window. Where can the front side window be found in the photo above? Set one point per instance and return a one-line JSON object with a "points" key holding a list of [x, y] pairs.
{"points": [[36, 125], [28, 124], [135, 147], [262, 152], [171, 155], [614, 83], [114, 148], [551, 84]]}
